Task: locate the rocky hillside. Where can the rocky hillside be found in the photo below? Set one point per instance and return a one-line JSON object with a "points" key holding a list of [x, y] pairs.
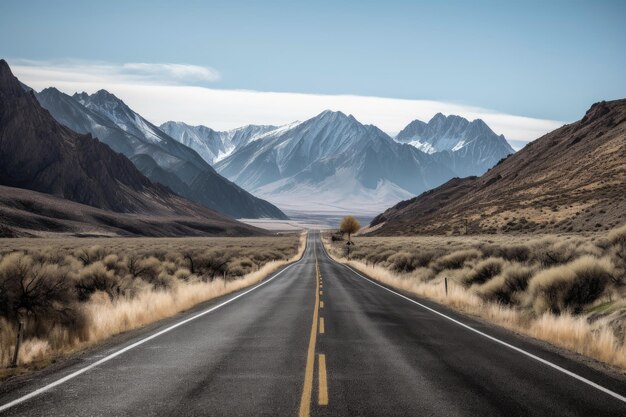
{"points": [[570, 180]]}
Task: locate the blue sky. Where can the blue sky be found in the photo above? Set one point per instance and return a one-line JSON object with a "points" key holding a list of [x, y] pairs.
{"points": [[546, 59]]}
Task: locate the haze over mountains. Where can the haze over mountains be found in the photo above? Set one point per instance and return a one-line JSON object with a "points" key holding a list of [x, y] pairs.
{"points": [[570, 180], [39, 154], [156, 154]]}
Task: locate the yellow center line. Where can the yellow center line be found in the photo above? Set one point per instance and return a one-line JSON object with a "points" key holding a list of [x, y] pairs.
{"points": [[322, 398], [321, 325], [307, 390]]}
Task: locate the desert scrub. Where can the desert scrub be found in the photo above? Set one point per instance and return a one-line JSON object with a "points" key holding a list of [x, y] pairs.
{"points": [[570, 287], [566, 289], [63, 294]]}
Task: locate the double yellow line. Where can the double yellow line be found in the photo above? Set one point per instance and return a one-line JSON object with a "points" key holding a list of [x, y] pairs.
{"points": [[307, 390]]}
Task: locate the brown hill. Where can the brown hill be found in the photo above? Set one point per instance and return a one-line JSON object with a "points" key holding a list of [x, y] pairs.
{"points": [[29, 213], [570, 180], [39, 154]]}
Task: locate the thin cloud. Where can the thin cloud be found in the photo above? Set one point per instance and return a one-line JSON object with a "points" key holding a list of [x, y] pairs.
{"points": [[182, 73], [132, 72], [163, 92]]}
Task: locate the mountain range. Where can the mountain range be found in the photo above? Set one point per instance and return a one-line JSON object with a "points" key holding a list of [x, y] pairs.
{"points": [[332, 163], [155, 153], [329, 164], [89, 163], [49, 171], [570, 180]]}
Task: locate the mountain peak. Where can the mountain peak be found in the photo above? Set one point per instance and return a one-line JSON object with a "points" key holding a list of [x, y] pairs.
{"points": [[4, 67], [596, 111], [331, 113], [50, 90], [334, 116], [473, 146], [481, 125], [103, 94], [8, 82]]}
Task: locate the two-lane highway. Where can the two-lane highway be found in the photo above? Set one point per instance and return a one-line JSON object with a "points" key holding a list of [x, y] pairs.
{"points": [[318, 339]]}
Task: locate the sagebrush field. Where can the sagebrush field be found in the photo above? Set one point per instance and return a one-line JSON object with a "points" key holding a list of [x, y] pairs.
{"points": [[68, 293], [569, 290]]}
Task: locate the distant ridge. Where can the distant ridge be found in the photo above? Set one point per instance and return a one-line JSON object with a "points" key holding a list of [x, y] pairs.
{"points": [[332, 163], [468, 148], [212, 145]]}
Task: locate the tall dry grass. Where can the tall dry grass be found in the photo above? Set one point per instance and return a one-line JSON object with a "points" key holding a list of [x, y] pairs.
{"points": [[566, 290], [117, 285]]}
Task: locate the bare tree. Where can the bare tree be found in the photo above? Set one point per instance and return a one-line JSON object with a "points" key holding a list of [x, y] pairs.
{"points": [[32, 291]]}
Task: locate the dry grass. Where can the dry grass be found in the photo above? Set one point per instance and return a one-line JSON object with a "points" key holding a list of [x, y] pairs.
{"points": [[568, 290], [115, 285]]}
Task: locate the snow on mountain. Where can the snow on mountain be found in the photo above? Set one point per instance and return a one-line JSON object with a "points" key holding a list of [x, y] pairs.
{"points": [[468, 148], [156, 154], [332, 162], [213, 145], [173, 156]]}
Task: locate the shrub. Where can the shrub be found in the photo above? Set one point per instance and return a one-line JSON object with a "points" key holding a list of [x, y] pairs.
{"points": [[182, 274], [91, 254], [504, 287], [515, 253], [618, 236], [148, 269], [455, 260], [570, 287], [95, 277], [403, 262], [483, 271]]}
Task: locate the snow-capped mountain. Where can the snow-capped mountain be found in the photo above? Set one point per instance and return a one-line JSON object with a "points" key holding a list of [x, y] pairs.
{"points": [[332, 163], [212, 145], [157, 155], [468, 148]]}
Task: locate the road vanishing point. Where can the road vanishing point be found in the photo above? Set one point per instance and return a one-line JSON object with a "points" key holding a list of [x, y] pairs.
{"points": [[317, 339]]}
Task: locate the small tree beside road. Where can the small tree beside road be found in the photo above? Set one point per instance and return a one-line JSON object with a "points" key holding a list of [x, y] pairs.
{"points": [[349, 225]]}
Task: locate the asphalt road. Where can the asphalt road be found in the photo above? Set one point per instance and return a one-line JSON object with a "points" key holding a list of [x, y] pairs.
{"points": [[317, 338]]}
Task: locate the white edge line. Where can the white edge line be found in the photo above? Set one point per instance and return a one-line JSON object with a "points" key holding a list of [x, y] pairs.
{"points": [[515, 348], [140, 342]]}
